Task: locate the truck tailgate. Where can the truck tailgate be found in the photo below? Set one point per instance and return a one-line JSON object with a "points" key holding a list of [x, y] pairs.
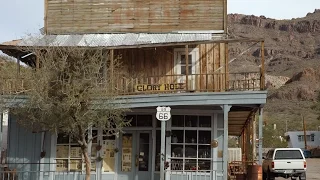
{"points": [[289, 164]]}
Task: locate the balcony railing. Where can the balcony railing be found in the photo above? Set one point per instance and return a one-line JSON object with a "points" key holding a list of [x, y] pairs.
{"points": [[218, 82]]}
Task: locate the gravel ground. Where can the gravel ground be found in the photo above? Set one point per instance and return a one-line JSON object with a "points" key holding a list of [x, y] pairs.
{"points": [[313, 169]]}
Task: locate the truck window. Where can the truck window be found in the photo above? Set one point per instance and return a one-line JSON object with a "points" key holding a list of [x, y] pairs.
{"points": [[288, 154]]}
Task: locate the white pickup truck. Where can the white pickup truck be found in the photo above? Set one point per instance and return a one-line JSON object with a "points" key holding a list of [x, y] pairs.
{"points": [[284, 162]]}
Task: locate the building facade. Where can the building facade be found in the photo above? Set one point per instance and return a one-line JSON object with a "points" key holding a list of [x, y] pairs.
{"points": [[296, 139], [174, 54]]}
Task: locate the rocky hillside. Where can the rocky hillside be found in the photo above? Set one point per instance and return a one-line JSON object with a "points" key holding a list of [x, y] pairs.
{"points": [[292, 50]]}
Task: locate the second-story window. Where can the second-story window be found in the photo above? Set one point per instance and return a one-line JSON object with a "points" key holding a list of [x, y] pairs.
{"points": [[183, 64]]}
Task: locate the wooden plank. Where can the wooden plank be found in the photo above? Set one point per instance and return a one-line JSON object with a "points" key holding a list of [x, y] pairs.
{"points": [[45, 16], [226, 59], [216, 66], [225, 15], [134, 16], [223, 65]]}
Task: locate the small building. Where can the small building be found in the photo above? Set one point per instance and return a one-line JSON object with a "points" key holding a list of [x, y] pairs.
{"points": [[296, 139], [180, 51]]}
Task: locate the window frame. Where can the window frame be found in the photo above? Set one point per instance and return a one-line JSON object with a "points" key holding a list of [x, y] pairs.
{"points": [[92, 158], [197, 144]]}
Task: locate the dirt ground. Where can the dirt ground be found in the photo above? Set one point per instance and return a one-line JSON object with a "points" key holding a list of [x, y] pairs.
{"points": [[313, 169]]}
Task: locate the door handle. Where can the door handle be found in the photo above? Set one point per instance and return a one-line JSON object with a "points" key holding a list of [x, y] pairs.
{"points": [[137, 160]]}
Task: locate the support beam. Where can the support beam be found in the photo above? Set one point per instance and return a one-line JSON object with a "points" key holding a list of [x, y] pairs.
{"points": [[226, 69], [112, 67], [226, 109], [162, 150], [254, 137], [260, 135], [187, 67]]}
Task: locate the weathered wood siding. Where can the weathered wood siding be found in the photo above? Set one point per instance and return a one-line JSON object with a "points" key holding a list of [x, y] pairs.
{"points": [[212, 67], [146, 66], [157, 66], [102, 16]]}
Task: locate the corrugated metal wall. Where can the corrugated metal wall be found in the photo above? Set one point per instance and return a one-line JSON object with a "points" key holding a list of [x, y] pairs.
{"points": [[102, 16]]}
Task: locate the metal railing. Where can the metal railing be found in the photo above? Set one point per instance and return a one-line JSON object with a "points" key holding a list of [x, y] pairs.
{"points": [[192, 175], [192, 169], [36, 175], [216, 82]]}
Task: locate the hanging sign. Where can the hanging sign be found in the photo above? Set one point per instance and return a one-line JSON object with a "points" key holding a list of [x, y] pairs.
{"points": [[163, 113]]}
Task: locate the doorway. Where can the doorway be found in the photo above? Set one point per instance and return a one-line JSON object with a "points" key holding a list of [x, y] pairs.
{"points": [[135, 155], [181, 66]]}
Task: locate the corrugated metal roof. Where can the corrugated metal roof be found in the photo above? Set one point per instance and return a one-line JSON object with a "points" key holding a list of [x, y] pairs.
{"points": [[111, 40]]}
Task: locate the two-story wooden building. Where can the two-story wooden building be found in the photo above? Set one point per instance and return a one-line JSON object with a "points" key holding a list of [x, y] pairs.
{"points": [[175, 53]]}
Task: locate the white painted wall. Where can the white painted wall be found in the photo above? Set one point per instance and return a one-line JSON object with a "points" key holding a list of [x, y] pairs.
{"points": [[295, 143]]}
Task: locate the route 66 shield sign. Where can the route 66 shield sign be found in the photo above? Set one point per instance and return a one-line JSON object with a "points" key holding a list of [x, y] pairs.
{"points": [[163, 113]]}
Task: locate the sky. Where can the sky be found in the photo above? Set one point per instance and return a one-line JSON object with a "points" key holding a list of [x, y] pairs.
{"points": [[23, 17]]}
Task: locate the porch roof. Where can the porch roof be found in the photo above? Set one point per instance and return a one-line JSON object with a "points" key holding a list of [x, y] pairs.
{"points": [[18, 48], [243, 103]]}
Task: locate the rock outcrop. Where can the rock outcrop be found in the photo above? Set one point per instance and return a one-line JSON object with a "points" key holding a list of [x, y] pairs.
{"points": [[310, 24]]}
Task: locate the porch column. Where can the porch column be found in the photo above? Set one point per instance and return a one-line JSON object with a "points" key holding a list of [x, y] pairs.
{"points": [[260, 135], [226, 109], [187, 67], [1, 131], [254, 137]]}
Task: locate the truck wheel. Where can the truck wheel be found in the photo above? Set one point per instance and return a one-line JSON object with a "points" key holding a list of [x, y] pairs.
{"points": [[303, 176], [270, 175], [264, 175]]}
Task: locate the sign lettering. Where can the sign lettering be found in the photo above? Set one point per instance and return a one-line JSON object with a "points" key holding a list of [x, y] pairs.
{"points": [[159, 87]]}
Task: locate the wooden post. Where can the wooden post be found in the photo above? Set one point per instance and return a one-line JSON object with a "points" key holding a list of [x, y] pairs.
{"points": [[225, 17], [226, 75], [262, 69], [187, 67], [45, 16], [254, 137], [112, 67]]}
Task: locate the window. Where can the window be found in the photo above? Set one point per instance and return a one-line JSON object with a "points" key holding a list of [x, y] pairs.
{"points": [[190, 142], [158, 148], [108, 152], [69, 156], [183, 64], [288, 154], [140, 120], [308, 137], [270, 154], [312, 137]]}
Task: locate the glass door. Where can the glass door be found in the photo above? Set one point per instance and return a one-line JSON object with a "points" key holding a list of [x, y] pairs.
{"points": [[127, 156], [182, 66], [143, 170], [135, 153]]}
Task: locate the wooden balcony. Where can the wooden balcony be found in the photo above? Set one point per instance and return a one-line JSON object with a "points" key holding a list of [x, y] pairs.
{"points": [[218, 82]]}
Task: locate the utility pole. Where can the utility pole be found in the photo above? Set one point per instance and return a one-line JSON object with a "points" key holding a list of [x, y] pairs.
{"points": [[304, 133], [286, 125]]}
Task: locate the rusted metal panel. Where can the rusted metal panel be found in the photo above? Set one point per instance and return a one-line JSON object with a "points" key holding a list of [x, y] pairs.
{"points": [[102, 16]]}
